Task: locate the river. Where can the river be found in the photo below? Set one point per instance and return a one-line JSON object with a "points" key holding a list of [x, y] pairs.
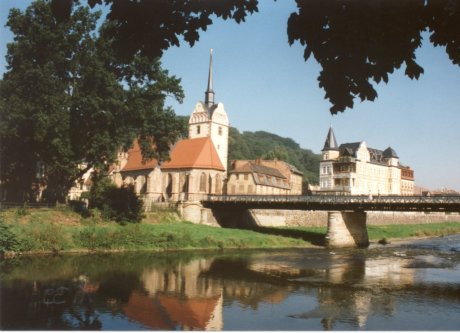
{"points": [[413, 286]]}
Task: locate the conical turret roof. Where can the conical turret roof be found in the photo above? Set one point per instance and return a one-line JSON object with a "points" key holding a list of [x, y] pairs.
{"points": [[331, 142]]}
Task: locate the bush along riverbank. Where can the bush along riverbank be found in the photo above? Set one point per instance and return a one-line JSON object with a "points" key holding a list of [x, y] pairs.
{"points": [[61, 230]]}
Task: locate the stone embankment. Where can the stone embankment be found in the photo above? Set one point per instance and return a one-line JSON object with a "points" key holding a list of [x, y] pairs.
{"points": [[297, 218]]}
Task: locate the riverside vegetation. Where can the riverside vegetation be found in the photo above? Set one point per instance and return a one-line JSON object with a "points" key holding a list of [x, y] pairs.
{"points": [[55, 230], [61, 229]]}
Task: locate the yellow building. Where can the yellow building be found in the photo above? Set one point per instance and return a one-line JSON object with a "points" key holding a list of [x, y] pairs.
{"points": [[354, 168], [266, 177]]}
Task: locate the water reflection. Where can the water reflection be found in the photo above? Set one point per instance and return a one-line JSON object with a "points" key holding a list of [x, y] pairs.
{"points": [[303, 289], [177, 298]]}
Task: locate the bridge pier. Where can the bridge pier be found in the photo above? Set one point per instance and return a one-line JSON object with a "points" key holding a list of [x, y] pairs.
{"points": [[346, 229]]}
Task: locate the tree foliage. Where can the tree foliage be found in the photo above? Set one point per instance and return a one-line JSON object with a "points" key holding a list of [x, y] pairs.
{"points": [[150, 27], [66, 101], [357, 43], [260, 144]]}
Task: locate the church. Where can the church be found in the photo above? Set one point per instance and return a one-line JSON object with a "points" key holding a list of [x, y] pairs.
{"points": [[197, 165]]}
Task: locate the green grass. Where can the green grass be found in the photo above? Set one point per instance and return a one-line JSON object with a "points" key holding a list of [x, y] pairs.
{"points": [[315, 235], [45, 230], [60, 230], [377, 232]]}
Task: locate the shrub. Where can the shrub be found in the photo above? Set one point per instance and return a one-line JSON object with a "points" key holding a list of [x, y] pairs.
{"points": [[123, 204], [79, 207], [119, 204], [21, 211], [8, 240]]}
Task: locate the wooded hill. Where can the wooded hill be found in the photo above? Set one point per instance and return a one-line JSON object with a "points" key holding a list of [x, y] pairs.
{"points": [[264, 145]]}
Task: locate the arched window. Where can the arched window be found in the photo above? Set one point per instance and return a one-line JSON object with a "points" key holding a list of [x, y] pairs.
{"points": [[141, 185], [168, 188], [218, 185], [203, 182]]}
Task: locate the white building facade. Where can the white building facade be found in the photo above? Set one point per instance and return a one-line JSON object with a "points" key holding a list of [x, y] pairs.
{"points": [[355, 169]]}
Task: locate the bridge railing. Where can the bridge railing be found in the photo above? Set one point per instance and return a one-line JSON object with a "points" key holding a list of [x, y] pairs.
{"points": [[344, 199]]}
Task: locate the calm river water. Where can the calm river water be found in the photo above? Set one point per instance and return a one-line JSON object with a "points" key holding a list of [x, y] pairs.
{"points": [[393, 287]]}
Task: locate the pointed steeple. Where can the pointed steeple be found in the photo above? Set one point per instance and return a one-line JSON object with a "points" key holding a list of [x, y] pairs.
{"points": [[209, 93], [331, 142]]}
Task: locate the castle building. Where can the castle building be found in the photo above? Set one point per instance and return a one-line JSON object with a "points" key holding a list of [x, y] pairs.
{"points": [[353, 168], [197, 165]]}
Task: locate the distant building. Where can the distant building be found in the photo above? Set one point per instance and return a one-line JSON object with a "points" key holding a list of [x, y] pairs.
{"points": [[83, 184], [354, 168], [266, 177]]}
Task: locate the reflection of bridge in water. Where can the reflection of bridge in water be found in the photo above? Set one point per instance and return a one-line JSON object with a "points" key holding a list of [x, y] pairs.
{"points": [[346, 214]]}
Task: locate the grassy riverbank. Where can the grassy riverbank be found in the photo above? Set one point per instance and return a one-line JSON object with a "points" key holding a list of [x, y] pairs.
{"points": [[62, 230], [58, 230], [377, 232]]}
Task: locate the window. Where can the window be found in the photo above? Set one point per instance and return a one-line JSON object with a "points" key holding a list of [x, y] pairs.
{"points": [[246, 176], [218, 184], [203, 182], [198, 129], [219, 130]]}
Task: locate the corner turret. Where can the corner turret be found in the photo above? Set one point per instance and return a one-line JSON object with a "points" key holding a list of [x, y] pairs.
{"points": [[330, 149]]}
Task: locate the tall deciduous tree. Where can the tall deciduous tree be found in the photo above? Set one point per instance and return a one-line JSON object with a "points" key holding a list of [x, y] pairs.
{"points": [[66, 102]]}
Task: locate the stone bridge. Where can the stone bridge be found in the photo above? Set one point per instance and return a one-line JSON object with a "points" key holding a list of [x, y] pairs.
{"points": [[346, 214]]}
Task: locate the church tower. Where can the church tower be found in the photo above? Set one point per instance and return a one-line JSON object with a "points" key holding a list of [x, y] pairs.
{"points": [[209, 119]]}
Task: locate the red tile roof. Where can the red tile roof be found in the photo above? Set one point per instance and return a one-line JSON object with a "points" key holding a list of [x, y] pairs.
{"points": [[197, 153], [135, 160]]}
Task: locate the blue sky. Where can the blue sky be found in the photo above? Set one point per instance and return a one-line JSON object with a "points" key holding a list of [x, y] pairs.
{"points": [[265, 84]]}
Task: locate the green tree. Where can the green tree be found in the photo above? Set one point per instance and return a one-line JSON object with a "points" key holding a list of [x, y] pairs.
{"points": [[357, 43], [278, 152], [66, 102]]}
